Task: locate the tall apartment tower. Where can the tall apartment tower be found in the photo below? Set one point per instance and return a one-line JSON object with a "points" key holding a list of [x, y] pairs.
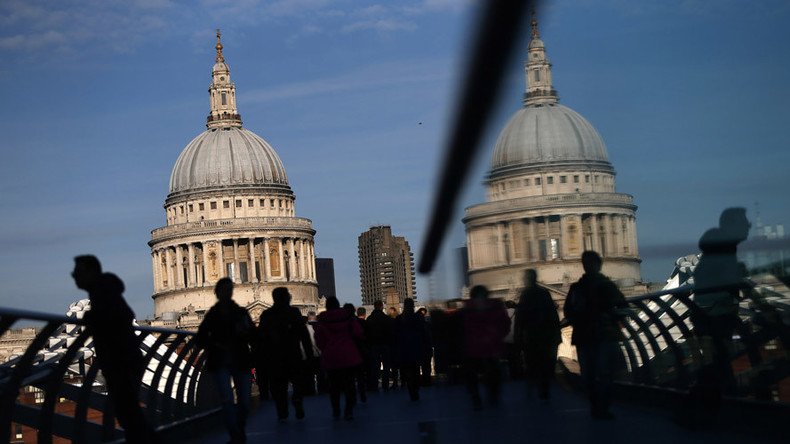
{"points": [[386, 267]]}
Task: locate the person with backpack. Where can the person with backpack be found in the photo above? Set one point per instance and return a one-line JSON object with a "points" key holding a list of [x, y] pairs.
{"points": [[286, 349], [590, 308], [225, 334]]}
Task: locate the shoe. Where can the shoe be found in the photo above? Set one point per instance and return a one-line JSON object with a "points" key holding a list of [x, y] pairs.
{"points": [[299, 411]]}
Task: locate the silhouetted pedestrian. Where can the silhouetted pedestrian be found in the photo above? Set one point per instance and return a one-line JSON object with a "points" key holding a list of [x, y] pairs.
{"points": [[117, 346], [591, 309], [315, 378], [425, 362], [485, 324], [285, 347], [513, 351], [411, 338], [225, 334], [336, 333], [537, 332], [379, 334], [718, 279], [360, 373]]}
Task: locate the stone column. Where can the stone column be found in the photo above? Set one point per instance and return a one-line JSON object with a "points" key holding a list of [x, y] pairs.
{"points": [[580, 232], [607, 237], [236, 274], [169, 268], [251, 265], [302, 261], [191, 274], [534, 250], [154, 272], [311, 248], [204, 273], [267, 266], [469, 251], [634, 242], [179, 271], [282, 258], [563, 237], [500, 245], [596, 243], [221, 260], [292, 259]]}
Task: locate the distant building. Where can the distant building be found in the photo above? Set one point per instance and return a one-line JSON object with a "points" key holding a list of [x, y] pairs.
{"points": [[550, 196], [386, 267], [325, 273], [230, 213]]}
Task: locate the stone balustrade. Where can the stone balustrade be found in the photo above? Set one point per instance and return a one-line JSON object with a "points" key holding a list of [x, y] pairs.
{"points": [[224, 225]]}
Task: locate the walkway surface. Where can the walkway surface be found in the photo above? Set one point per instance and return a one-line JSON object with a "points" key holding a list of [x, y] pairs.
{"points": [[444, 414]]}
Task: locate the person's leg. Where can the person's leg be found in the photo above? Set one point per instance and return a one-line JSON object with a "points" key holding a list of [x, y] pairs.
{"points": [[123, 392], [334, 381], [347, 381], [298, 382], [471, 368], [386, 367], [278, 385], [242, 382], [222, 381]]}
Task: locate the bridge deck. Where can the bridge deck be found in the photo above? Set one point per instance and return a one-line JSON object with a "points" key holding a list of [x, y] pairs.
{"points": [[391, 418]]}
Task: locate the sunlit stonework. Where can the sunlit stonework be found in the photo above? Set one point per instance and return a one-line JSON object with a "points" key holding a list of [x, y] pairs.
{"points": [[230, 212], [551, 195]]}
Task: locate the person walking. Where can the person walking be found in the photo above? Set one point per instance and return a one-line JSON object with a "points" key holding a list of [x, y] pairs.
{"points": [[591, 310], [537, 333], [285, 347], [336, 333], [485, 324], [225, 334], [411, 339], [379, 331], [117, 346]]}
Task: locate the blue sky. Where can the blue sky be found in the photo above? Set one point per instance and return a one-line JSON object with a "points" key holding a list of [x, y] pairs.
{"points": [[99, 98]]}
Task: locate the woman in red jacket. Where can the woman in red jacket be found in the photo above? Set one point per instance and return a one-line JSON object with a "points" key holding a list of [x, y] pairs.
{"points": [[336, 334]]}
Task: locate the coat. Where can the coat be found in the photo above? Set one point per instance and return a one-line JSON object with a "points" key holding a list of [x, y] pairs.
{"points": [[486, 324], [379, 329], [336, 334], [590, 309], [537, 325], [412, 341], [283, 339], [225, 334]]}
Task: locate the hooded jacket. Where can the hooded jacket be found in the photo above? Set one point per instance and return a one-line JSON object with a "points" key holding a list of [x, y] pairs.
{"points": [[336, 334]]}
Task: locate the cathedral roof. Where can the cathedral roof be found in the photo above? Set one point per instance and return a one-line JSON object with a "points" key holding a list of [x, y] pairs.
{"points": [[226, 155], [544, 133]]}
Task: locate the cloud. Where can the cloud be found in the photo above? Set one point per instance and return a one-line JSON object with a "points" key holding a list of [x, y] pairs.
{"points": [[366, 78], [380, 25]]}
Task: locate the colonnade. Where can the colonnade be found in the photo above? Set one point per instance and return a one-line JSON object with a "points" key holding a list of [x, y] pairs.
{"points": [[551, 237], [266, 259]]}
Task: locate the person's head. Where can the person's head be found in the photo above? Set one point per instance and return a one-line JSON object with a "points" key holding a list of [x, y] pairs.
{"points": [[734, 224], [510, 304], [478, 292], [361, 312], [87, 270], [311, 316], [392, 312], [408, 305], [378, 305], [349, 307], [281, 296], [530, 278], [423, 311], [224, 289], [592, 262], [332, 303]]}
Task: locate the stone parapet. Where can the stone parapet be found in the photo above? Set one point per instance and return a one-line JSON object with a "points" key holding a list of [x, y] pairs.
{"points": [[550, 202], [229, 225]]}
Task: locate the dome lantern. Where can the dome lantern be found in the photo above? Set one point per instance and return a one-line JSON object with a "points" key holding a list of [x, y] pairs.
{"points": [[222, 94]]}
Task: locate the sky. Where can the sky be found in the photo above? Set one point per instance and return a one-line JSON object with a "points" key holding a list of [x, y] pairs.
{"points": [[99, 97]]}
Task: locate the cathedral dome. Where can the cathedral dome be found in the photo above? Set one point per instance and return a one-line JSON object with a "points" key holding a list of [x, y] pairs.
{"points": [[545, 134], [227, 157]]}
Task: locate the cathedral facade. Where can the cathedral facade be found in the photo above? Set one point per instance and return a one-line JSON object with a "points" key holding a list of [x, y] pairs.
{"points": [[230, 213], [550, 196]]}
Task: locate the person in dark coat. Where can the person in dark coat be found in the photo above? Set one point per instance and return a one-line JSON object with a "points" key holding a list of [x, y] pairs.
{"points": [[360, 373], [285, 349], [411, 339], [379, 333], [425, 362], [485, 324], [537, 332], [591, 308], [336, 333], [110, 322], [225, 334]]}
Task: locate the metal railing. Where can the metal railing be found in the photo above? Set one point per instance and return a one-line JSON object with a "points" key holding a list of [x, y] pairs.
{"points": [[71, 400], [660, 348]]}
